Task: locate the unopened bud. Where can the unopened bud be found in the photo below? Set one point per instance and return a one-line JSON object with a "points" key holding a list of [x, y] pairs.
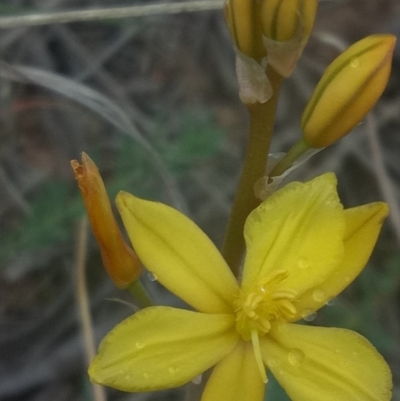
{"points": [[287, 25], [120, 261], [243, 18], [244, 23], [348, 90]]}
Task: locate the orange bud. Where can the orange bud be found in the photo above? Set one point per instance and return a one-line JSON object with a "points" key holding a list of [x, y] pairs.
{"points": [[120, 261]]}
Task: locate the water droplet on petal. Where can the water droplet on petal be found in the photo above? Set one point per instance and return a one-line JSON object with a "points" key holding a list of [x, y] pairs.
{"points": [[302, 263], [281, 328], [318, 295], [146, 375], [172, 370], [295, 357], [347, 279], [355, 62], [111, 382], [197, 379], [331, 302], [151, 276], [309, 315], [330, 199], [272, 362], [139, 345], [128, 377]]}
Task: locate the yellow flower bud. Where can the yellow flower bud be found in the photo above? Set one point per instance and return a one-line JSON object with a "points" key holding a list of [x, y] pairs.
{"points": [[348, 90], [244, 23], [120, 261], [287, 25], [283, 19]]}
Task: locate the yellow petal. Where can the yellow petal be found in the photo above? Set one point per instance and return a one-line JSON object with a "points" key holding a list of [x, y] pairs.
{"points": [[178, 253], [162, 347], [236, 377], [329, 364], [363, 225], [298, 230]]}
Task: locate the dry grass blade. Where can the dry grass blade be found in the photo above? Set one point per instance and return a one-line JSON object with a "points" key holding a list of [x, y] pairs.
{"points": [[98, 103], [384, 180], [83, 302], [109, 13]]}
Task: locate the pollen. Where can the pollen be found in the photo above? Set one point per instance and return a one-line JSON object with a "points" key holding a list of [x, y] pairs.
{"points": [[267, 302]]}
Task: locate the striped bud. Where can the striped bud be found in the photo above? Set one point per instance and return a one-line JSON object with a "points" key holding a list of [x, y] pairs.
{"points": [[347, 91]]}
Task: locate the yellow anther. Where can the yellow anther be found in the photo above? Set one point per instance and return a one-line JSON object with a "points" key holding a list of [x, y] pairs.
{"points": [[287, 308], [266, 326], [284, 294]]}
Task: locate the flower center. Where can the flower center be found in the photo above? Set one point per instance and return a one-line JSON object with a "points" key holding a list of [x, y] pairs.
{"points": [[265, 303]]}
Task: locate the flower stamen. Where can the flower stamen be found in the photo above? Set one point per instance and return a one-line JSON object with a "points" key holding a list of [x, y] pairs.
{"points": [[264, 303]]}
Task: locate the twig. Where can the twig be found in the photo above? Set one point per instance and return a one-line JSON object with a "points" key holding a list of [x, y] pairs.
{"points": [[83, 302], [383, 178], [64, 17]]}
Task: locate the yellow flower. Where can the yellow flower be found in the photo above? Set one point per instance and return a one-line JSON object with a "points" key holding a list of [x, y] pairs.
{"points": [[120, 261], [303, 248]]}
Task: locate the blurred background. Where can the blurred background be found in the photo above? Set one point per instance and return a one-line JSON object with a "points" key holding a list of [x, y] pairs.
{"points": [[153, 100]]}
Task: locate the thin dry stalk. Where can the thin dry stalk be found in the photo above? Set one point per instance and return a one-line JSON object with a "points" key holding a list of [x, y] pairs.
{"points": [[83, 302], [63, 17], [384, 181]]}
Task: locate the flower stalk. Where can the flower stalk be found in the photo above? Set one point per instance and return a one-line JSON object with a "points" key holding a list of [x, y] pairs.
{"points": [[297, 150], [262, 118], [139, 292]]}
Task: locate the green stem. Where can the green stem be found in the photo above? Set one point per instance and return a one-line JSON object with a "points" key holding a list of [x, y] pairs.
{"points": [[262, 118], [139, 292], [291, 156]]}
